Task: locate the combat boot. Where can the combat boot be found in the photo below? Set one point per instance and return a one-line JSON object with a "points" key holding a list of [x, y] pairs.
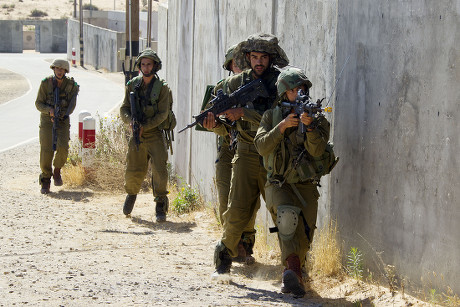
{"points": [[129, 204], [222, 259], [292, 277], [161, 208], [57, 177], [241, 253], [45, 183]]}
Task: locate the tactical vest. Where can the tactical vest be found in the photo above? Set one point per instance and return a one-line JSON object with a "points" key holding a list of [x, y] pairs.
{"points": [[68, 90], [151, 107], [290, 162]]}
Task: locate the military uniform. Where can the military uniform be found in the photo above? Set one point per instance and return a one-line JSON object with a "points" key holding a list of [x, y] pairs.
{"points": [[267, 140], [248, 174], [45, 103], [153, 145]]}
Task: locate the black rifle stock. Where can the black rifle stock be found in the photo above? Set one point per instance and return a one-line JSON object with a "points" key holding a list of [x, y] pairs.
{"points": [[222, 102], [135, 119], [57, 112], [304, 104]]}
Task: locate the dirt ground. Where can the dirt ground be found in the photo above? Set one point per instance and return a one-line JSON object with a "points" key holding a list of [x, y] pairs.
{"points": [[74, 247]]}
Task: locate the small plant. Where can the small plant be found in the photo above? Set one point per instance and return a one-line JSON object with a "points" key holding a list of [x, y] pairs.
{"points": [[355, 263], [390, 274], [38, 13], [90, 7], [450, 298], [434, 297], [187, 200]]}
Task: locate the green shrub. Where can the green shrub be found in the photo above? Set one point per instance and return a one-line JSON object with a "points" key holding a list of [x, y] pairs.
{"points": [[38, 13], [355, 263], [187, 200], [90, 7]]}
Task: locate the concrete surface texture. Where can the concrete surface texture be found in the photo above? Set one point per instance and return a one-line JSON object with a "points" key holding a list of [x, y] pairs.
{"points": [[394, 113]]}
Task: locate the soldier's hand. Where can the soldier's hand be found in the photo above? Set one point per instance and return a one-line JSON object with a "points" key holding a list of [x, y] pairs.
{"points": [[289, 121], [209, 121], [141, 130], [52, 115], [233, 114], [306, 120]]}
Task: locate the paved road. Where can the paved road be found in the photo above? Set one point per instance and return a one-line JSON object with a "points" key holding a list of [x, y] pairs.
{"points": [[19, 118]]}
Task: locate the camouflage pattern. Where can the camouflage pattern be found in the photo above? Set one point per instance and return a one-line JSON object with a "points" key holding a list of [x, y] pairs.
{"points": [[64, 64], [261, 43], [228, 57], [149, 54], [290, 78]]}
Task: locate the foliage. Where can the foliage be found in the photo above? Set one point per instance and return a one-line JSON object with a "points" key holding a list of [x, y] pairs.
{"points": [[326, 255], [355, 263], [89, 7], [38, 13], [186, 201]]}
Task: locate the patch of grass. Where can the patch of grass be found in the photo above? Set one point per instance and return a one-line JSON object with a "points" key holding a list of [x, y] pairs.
{"points": [[38, 13], [355, 263], [186, 201], [325, 254]]}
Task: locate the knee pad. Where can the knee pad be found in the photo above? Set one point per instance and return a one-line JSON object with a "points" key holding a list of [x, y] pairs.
{"points": [[287, 220]]}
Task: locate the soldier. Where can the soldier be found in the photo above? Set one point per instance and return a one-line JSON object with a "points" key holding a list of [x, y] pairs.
{"points": [[155, 99], [259, 52], [291, 196], [225, 154], [56, 100]]}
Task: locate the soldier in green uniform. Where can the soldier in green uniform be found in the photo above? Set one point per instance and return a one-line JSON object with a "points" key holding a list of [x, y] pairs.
{"points": [[155, 99], [56, 100], [225, 153], [291, 196], [259, 52]]}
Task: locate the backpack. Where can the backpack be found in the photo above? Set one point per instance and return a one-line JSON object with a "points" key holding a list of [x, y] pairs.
{"points": [[299, 168]]}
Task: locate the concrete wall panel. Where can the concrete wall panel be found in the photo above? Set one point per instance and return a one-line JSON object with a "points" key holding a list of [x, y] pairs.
{"points": [[11, 36], [394, 112]]}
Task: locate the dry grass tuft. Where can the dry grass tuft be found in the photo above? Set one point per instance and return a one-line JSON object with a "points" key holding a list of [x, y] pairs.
{"points": [[326, 254], [73, 175]]}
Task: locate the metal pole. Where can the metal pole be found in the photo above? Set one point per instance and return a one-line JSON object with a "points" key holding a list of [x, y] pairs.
{"points": [[81, 35], [149, 24]]}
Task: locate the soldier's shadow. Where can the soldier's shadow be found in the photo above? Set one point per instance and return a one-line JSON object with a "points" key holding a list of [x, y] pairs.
{"points": [[77, 196], [182, 227], [273, 273]]}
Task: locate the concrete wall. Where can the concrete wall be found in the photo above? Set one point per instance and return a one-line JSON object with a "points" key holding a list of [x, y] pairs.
{"points": [[100, 46], [394, 119], [11, 36], [52, 35]]}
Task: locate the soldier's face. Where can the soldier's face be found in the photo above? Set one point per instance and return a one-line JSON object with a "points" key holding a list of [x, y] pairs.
{"points": [[292, 93], [259, 62], [234, 68], [59, 72], [147, 66]]}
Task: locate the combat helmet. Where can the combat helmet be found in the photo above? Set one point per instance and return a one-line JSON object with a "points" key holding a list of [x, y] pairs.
{"points": [[61, 63], [290, 78], [150, 54], [229, 57], [260, 42]]}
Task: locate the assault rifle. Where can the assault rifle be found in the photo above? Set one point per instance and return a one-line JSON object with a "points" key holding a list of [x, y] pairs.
{"points": [[222, 102], [303, 104], [136, 118], [57, 112]]}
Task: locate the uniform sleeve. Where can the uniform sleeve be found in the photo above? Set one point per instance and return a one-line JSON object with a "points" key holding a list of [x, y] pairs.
{"points": [[125, 109], [72, 96], [267, 137], [252, 116], [42, 96], [164, 103], [316, 140]]}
